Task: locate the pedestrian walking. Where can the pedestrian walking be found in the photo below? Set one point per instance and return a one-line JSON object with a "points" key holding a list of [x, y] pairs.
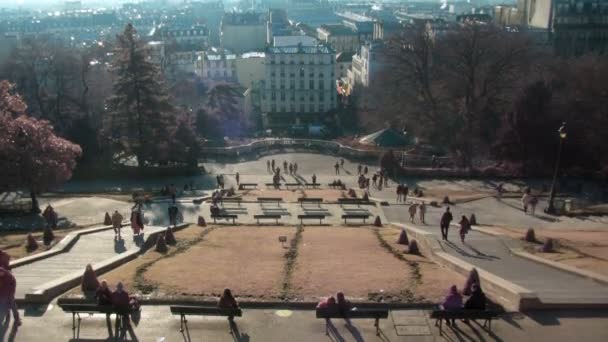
{"points": [[385, 180], [314, 179], [533, 202], [406, 191], [412, 210], [238, 178], [137, 220], [172, 191], [172, 210], [290, 169], [525, 200], [117, 224], [272, 163], [446, 219], [399, 192], [50, 217], [268, 165], [464, 227], [295, 168], [8, 287], [337, 167], [365, 170], [374, 179], [342, 162], [359, 169], [285, 167], [422, 212]]}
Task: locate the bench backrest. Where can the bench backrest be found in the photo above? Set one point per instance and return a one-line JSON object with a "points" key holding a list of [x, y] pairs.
{"points": [[87, 308], [270, 199], [273, 216], [352, 200], [358, 313], [205, 311], [311, 216], [310, 200], [355, 216]]}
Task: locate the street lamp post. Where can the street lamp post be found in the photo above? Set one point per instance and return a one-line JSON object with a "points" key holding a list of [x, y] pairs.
{"points": [[562, 136]]}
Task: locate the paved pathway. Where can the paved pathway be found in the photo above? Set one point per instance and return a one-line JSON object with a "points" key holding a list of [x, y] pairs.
{"points": [[492, 254], [89, 249]]}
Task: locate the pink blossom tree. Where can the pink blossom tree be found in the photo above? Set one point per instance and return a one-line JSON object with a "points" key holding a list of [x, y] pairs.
{"points": [[32, 156]]}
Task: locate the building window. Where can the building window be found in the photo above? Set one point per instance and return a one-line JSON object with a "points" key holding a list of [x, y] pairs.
{"points": [[321, 97], [273, 95], [301, 84], [292, 108], [282, 84], [292, 96], [282, 96], [301, 72], [311, 98], [302, 108], [273, 108], [292, 84], [311, 75], [311, 84], [321, 84]]}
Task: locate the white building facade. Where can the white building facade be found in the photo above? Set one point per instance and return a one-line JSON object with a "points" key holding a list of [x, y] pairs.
{"points": [[299, 86]]}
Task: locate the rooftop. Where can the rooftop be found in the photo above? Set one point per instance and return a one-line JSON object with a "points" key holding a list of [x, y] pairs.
{"points": [[248, 18], [337, 30], [319, 49]]}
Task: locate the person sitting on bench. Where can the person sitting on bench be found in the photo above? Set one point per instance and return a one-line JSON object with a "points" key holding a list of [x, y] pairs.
{"points": [[452, 302], [227, 301], [103, 294], [120, 302], [477, 301], [214, 209], [327, 303], [342, 303]]}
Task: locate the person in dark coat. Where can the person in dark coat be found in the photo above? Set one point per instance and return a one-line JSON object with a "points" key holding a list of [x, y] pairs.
{"points": [[103, 294], [120, 302], [227, 301], [477, 301], [173, 214], [446, 219]]}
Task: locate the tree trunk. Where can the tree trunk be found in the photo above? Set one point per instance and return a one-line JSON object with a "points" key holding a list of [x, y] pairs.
{"points": [[35, 205]]}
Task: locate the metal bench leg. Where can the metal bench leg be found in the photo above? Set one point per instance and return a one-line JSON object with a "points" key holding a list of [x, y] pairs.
{"points": [[377, 325], [327, 327], [182, 323], [73, 321]]}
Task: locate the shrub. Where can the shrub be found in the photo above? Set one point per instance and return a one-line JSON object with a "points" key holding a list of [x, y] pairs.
{"points": [[413, 247], [31, 244], [201, 222], [403, 240], [473, 278], [530, 235], [378, 222], [161, 244], [48, 236], [169, 237], [89, 280], [107, 220], [548, 246]]}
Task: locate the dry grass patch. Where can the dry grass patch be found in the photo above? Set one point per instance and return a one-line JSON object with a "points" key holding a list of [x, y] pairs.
{"points": [[346, 259], [13, 243], [434, 279], [249, 260]]}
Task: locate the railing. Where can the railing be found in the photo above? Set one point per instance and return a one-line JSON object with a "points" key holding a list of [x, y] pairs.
{"points": [[315, 144]]}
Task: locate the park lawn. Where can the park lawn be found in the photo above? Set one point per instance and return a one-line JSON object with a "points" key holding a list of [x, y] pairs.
{"points": [[351, 260], [248, 260], [126, 272], [435, 280], [13, 243]]}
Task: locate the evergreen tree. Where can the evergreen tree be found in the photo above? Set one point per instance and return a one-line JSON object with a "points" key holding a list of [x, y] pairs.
{"points": [[140, 113]]}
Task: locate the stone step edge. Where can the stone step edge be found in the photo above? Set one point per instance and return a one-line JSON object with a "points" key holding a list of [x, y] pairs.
{"points": [[47, 291], [62, 246]]}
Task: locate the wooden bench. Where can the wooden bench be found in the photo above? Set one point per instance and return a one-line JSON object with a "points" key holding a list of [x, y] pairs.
{"points": [[357, 201], [297, 185], [358, 313], [272, 185], [267, 216], [336, 186], [184, 311], [278, 200], [224, 216], [77, 309], [313, 185], [243, 186], [316, 201], [311, 217], [486, 315], [355, 216], [231, 200]]}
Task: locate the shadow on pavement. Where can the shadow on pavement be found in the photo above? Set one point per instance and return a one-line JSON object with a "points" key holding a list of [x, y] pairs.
{"points": [[551, 317]]}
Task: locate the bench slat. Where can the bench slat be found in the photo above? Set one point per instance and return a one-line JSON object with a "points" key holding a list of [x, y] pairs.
{"points": [[464, 314], [353, 314], [205, 311]]}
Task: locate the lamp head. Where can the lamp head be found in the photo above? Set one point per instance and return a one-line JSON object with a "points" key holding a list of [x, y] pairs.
{"points": [[562, 131]]}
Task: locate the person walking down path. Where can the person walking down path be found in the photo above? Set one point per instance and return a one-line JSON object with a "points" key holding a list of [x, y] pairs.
{"points": [[290, 169], [405, 191], [295, 168], [464, 227], [365, 170], [446, 219], [359, 169], [272, 163], [342, 162], [268, 165], [337, 167], [399, 193], [314, 178], [525, 200], [137, 222], [375, 179], [117, 223], [422, 212], [8, 288], [173, 210], [285, 167], [412, 211], [533, 202]]}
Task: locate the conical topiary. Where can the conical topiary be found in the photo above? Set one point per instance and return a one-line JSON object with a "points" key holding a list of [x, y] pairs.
{"points": [[473, 220], [473, 278], [89, 280], [548, 246], [403, 240], [446, 200], [413, 247], [31, 244], [48, 236], [530, 235], [378, 222], [107, 220], [201, 222], [169, 237], [161, 244]]}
